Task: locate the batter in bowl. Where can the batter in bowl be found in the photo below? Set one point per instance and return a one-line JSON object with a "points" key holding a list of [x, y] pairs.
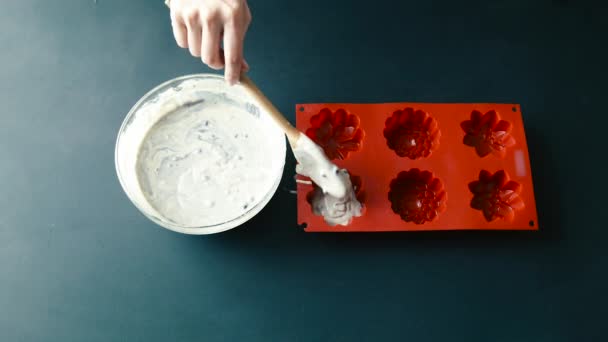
{"points": [[205, 157]]}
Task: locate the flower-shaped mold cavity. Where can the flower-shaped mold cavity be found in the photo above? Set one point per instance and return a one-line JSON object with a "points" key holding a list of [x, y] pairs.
{"points": [[337, 132], [417, 196], [338, 210], [356, 181], [487, 133], [496, 196], [412, 133]]}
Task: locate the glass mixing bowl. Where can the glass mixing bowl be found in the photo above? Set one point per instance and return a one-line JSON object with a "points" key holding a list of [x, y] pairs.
{"points": [[165, 98]]}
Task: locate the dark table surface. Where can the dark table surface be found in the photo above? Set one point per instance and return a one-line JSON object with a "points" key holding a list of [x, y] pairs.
{"points": [[79, 263]]}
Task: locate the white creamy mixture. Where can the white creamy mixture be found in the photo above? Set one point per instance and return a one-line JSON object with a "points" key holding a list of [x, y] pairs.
{"points": [[337, 203], [313, 163], [207, 158], [337, 210]]}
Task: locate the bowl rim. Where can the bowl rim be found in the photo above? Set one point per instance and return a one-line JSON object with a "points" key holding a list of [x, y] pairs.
{"points": [[203, 230]]}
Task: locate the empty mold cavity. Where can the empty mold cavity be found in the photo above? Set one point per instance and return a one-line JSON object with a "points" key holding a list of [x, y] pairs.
{"points": [[417, 196], [487, 133], [496, 196], [338, 133], [412, 133]]}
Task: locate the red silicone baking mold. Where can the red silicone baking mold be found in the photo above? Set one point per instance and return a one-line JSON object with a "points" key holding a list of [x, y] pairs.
{"points": [[425, 166]]}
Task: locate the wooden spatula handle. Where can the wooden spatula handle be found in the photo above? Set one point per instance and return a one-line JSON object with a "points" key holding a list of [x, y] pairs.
{"points": [[291, 132]]}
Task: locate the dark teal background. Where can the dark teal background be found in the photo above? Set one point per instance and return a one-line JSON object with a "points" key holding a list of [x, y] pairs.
{"points": [[79, 263]]}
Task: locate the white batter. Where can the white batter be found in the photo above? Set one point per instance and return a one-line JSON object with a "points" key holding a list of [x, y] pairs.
{"points": [[313, 163], [337, 203], [207, 158], [337, 210]]}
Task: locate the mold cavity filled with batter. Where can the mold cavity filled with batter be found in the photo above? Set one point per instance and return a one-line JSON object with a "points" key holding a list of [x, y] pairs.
{"points": [[487, 133], [417, 196], [496, 196], [338, 210], [412, 133], [338, 133]]}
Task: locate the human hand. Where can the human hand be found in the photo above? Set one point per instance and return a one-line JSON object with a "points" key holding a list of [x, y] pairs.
{"points": [[200, 25]]}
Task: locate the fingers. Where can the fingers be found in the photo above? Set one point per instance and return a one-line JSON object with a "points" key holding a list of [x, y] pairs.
{"points": [[180, 33], [233, 53], [194, 32], [201, 26], [211, 44]]}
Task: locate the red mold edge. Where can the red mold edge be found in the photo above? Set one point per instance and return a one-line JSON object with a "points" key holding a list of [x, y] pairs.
{"points": [[417, 196], [412, 133], [496, 196], [487, 133], [338, 133]]}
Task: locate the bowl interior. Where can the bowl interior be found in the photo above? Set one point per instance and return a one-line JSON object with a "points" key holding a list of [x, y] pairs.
{"points": [[192, 95]]}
